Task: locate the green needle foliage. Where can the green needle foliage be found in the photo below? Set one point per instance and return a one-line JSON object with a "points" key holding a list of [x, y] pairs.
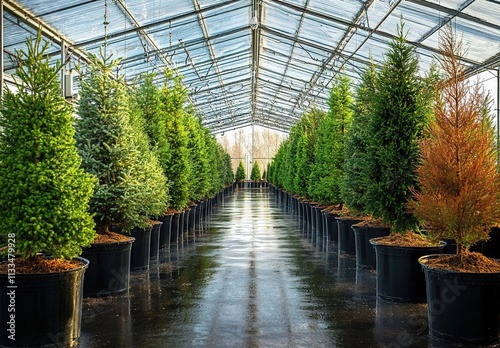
{"points": [[200, 168], [240, 172], [44, 193], [255, 174], [304, 156], [154, 192], [148, 99], [355, 180], [173, 97], [327, 172], [401, 109], [106, 141]]}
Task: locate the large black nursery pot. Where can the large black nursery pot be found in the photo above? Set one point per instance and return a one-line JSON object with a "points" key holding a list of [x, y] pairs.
{"points": [[399, 275], [47, 308], [331, 226], [346, 241], [365, 252], [165, 230], [175, 226], [154, 247], [462, 307], [139, 256], [109, 269]]}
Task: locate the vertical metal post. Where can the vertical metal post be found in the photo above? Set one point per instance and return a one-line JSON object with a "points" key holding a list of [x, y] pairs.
{"points": [[63, 68]]}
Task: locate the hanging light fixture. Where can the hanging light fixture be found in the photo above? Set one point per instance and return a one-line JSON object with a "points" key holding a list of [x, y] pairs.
{"points": [[254, 22]]}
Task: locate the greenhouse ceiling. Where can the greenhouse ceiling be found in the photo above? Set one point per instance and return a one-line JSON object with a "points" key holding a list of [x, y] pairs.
{"points": [[251, 62]]}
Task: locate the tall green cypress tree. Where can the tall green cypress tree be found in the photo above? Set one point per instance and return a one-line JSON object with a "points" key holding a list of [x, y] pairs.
{"points": [[44, 194], [401, 109], [305, 149], [355, 179], [173, 97], [327, 171]]}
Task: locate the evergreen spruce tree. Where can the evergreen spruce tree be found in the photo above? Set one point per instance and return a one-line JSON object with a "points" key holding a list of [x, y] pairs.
{"points": [[327, 171], [105, 140], [355, 166], [148, 99], [401, 109], [240, 172], [173, 97], [213, 160], [44, 193], [153, 198], [255, 174]]}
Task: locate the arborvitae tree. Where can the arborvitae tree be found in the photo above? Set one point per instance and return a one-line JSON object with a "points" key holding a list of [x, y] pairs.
{"points": [[153, 198], [401, 108], [355, 166], [212, 155], [289, 165], [327, 173], [199, 178], [305, 149], [44, 194], [148, 100], [255, 174], [459, 179], [228, 168], [173, 96], [105, 140], [264, 173], [240, 172]]}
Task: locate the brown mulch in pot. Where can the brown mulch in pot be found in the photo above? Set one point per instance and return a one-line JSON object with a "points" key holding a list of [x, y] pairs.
{"points": [[408, 239], [39, 264], [467, 262], [110, 237]]}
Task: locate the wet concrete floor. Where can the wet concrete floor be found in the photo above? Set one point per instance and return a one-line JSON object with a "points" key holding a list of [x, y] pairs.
{"points": [[250, 277]]}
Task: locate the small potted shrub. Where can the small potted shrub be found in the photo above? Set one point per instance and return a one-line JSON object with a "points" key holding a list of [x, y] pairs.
{"points": [[240, 174], [458, 198], [255, 174], [44, 199]]}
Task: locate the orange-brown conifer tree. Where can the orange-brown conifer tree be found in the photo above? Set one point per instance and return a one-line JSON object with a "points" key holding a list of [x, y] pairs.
{"points": [[459, 191]]}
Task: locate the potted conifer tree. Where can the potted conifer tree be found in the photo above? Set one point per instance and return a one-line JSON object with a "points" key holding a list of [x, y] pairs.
{"points": [[255, 174], [173, 96], [240, 174], [44, 199], [401, 108], [458, 198], [354, 183], [106, 142]]}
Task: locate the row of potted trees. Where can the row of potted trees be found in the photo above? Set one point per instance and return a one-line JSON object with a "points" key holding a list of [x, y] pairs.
{"points": [[408, 162], [132, 158], [257, 179]]}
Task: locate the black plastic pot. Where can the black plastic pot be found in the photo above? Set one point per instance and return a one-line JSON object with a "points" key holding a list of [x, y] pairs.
{"points": [[332, 227], [399, 275], [346, 241], [175, 226], [462, 307], [154, 247], [139, 256], [48, 309], [365, 253], [109, 269], [165, 230]]}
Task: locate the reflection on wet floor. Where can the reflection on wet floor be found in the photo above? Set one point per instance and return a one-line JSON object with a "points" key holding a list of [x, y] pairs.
{"points": [[249, 277]]}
